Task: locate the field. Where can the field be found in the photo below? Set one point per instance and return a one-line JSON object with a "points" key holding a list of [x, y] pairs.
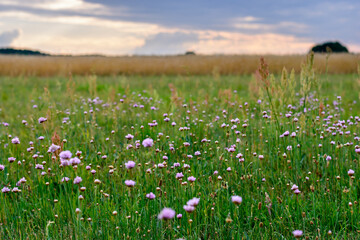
{"points": [[170, 65], [254, 156]]}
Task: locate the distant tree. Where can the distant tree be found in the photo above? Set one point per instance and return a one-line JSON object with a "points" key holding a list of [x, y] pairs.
{"points": [[326, 47], [11, 51], [190, 53]]}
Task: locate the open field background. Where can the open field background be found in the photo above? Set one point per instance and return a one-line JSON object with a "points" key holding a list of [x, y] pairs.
{"points": [[169, 65]]}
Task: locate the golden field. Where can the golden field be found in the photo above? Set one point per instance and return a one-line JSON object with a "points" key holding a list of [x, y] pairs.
{"points": [[168, 65]]}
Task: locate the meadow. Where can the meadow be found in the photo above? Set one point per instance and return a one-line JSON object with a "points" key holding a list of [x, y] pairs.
{"points": [[255, 156]]}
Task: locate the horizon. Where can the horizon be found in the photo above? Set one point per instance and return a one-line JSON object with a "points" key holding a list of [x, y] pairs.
{"points": [[139, 28]]}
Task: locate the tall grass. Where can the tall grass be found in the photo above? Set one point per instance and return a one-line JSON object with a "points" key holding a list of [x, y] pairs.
{"points": [[168, 65]]}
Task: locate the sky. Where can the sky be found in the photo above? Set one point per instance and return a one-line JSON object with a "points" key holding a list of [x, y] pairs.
{"points": [[161, 27]]}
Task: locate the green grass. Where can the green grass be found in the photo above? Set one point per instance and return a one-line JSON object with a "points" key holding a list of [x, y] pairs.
{"points": [[322, 205]]}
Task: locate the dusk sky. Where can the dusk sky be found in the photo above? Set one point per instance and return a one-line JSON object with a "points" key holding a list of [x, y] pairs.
{"points": [[172, 27]]}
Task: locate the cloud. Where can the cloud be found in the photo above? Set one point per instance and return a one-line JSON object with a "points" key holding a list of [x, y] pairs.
{"points": [[255, 24], [168, 43], [8, 37], [55, 5], [215, 42]]}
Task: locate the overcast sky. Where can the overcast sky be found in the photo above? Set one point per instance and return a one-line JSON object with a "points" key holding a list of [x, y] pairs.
{"points": [[172, 27]]}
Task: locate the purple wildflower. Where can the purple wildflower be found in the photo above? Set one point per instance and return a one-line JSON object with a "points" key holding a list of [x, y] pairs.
{"points": [[166, 213], [65, 155], [236, 199], [297, 233], [150, 196], [148, 142], [77, 180], [129, 183], [130, 164]]}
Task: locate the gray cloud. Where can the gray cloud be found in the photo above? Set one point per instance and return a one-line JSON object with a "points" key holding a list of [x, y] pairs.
{"points": [[167, 43], [8, 37]]}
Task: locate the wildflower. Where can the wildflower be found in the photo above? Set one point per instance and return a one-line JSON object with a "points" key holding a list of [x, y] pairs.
{"points": [[189, 208], [53, 148], [351, 172], [179, 175], [236, 199], [148, 142], [129, 137], [130, 164], [65, 155], [64, 162], [42, 119], [193, 202], [150, 196], [74, 161], [5, 189], [297, 233], [129, 183], [166, 214], [2, 167], [77, 180], [65, 179], [39, 166], [15, 140], [11, 159], [179, 216], [97, 181], [191, 179]]}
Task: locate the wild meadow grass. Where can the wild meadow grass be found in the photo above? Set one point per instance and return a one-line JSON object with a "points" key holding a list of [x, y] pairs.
{"points": [[252, 157]]}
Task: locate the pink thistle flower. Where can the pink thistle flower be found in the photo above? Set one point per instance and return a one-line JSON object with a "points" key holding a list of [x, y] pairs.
{"points": [[150, 196], [15, 140], [130, 164], [193, 202], [236, 200], [189, 208], [297, 233], [130, 183], [65, 155], [166, 214], [191, 179], [148, 142], [129, 137], [53, 148], [77, 180], [5, 189], [179, 175], [42, 119]]}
